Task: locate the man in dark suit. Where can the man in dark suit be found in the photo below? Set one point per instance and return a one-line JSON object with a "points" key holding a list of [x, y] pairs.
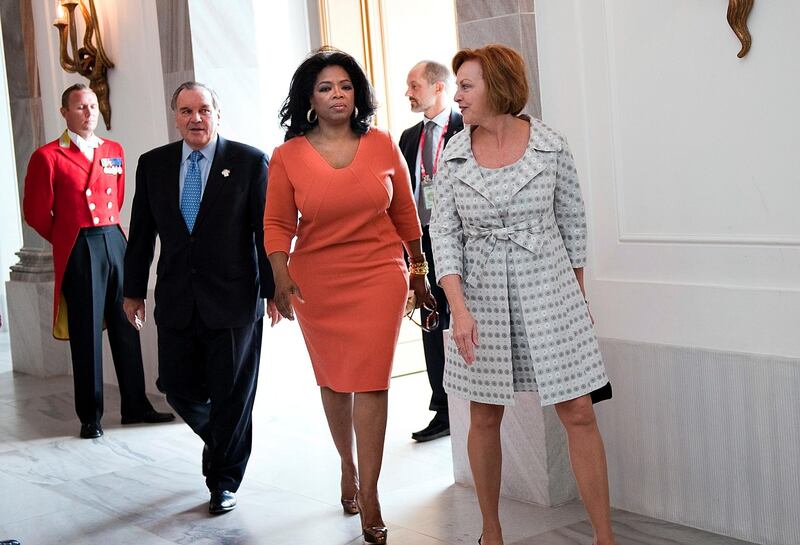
{"points": [[422, 145], [74, 189], [204, 198]]}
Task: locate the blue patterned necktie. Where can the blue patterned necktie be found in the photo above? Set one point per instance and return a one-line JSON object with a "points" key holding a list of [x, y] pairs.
{"points": [[190, 197]]}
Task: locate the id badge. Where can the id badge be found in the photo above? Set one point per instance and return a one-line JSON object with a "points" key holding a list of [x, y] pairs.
{"points": [[427, 193]]}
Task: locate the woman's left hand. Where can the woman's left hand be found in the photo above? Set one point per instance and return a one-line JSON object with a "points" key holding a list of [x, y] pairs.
{"points": [[422, 290]]}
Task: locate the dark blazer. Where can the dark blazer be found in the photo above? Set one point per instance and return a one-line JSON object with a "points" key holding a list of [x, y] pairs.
{"points": [[409, 141], [220, 268]]}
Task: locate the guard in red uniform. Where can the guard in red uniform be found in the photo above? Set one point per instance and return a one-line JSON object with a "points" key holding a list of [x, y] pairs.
{"points": [[73, 194]]}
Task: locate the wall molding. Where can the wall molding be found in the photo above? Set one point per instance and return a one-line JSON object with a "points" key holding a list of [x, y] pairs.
{"points": [[677, 284], [627, 236], [779, 241]]}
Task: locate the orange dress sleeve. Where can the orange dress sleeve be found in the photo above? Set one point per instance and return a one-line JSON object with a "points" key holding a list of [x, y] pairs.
{"points": [[280, 212], [402, 210]]}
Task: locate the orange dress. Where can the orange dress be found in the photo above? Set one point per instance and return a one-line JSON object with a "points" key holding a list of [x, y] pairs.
{"points": [[348, 257]]}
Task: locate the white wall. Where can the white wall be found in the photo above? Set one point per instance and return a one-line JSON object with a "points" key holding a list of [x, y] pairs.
{"points": [[251, 68], [687, 152], [688, 161], [10, 230], [413, 30], [282, 46]]}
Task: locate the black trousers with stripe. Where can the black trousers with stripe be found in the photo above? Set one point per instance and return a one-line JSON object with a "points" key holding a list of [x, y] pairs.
{"points": [[92, 288]]}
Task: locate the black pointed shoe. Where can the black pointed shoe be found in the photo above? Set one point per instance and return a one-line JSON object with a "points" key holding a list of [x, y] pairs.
{"points": [[92, 430], [150, 416], [222, 501]]}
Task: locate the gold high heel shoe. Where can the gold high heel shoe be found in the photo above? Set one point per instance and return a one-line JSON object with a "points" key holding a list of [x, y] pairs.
{"points": [[375, 535], [350, 507]]}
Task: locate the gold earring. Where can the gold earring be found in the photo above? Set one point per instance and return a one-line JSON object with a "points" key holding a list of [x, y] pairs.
{"points": [[308, 115]]}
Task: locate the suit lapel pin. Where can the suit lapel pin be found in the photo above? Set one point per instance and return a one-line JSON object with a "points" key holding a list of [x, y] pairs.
{"points": [[226, 173]]}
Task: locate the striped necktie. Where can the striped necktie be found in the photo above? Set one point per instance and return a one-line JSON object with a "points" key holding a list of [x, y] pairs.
{"points": [[424, 207]]}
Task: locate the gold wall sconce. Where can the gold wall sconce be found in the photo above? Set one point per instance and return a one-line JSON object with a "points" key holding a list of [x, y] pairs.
{"points": [[91, 60], [738, 12]]}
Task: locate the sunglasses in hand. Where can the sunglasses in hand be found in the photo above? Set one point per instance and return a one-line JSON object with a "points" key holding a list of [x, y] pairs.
{"points": [[431, 322]]}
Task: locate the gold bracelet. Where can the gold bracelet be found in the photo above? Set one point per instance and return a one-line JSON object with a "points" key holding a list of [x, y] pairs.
{"points": [[418, 269]]}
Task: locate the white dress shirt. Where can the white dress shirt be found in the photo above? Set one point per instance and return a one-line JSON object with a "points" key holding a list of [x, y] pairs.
{"points": [[86, 145], [204, 164]]}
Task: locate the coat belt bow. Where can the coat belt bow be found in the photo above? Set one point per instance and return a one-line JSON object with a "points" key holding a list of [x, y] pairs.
{"points": [[526, 234]]}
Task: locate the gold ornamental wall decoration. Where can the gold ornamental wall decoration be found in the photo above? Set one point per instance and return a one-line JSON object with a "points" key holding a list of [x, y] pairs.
{"points": [[738, 12], [90, 61]]}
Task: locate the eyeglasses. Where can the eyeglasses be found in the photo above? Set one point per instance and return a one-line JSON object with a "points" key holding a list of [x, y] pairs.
{"points": [[431, 322]]}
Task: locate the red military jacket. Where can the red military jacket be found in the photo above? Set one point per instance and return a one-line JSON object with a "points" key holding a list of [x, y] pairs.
{"points": [[65, 192]]}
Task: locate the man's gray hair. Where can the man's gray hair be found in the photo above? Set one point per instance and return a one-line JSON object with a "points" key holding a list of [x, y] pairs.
{"points": [[191, 85], [435, 72]]}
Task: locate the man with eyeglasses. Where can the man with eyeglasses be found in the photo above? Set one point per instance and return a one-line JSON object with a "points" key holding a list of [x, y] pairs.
{"points": [[422, 145]]}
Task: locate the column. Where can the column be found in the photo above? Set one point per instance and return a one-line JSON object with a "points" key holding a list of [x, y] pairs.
{"points": [[30, 289], [507, 22], [177, 60]]}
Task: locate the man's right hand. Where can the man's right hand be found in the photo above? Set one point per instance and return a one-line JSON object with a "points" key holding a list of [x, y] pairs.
{"points": [[135, 311]]}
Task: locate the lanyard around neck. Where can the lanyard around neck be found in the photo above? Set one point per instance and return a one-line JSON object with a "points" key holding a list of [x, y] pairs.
{"points": [[422, 172]]}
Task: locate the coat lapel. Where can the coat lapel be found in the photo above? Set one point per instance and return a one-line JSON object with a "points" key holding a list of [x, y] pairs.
{"points": [[215, 180], [462, 164], [172, 175], [97, 169], [71, 152], [540, 144], [410, 151], [531, 165]]}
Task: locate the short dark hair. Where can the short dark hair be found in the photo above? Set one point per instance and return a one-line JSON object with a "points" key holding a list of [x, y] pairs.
{"points": [[297, 103], [69, 90], [504, 74], [192, 85], [435, 72]]}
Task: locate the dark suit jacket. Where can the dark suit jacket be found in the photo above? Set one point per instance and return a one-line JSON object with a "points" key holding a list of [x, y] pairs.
{"points": [[220, 268], [409, 141]]}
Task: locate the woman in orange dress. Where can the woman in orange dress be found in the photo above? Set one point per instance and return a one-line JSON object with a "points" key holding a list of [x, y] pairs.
{"points": [[346, 278]]}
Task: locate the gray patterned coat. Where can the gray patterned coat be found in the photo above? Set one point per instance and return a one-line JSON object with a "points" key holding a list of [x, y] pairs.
{"points": [[514, 236]]}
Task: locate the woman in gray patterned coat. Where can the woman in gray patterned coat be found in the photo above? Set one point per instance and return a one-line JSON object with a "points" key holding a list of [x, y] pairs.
{"points": [[509, 236]]}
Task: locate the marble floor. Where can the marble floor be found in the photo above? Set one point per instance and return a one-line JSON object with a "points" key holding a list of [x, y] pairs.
{"points": [[142, 484]]}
